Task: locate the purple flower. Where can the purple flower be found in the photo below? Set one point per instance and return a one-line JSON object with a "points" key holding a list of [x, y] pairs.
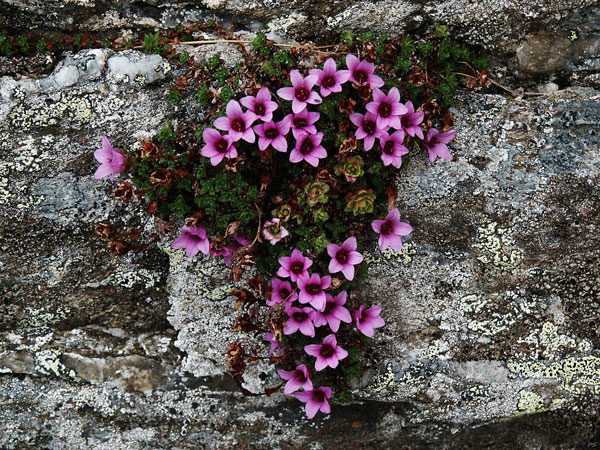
{"points": [[312, 290], [387, 108], [294, 266], [390, 230], [367, 128], [308, 148], [303, 122], [262, 106], [334, 312], [367, 320], [300, 93], [435, 144], [344, 257], [362, 73], [193, 239], [237, 122], [392, 148], [329, 78], [273, 231], [299, 319], [275, 348], [296, 379], [411, 121], [229, 251], [281, 292], [328, 353], [316, 400], [112, 161], [273, 134], [217, 146]]}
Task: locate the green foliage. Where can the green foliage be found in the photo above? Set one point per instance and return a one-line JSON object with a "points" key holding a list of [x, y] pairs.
{"points": [[166, 134], [260, 44], [346, 37], [153, 43], [5, 46], [226, 94], [184, 57], [174, 96], [203, 94]]}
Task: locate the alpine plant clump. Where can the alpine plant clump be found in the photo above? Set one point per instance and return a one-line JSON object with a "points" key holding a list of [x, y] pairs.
{"points": [[297, 179]]}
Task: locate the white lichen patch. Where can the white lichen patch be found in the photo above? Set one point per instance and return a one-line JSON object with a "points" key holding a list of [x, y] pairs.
{"points": [[496, 247], [577, 375], [405, 255], [530, 402], [127, 278]]}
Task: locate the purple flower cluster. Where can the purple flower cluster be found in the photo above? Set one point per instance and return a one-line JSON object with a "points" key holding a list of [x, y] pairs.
{"points": [[308, 305], [384, 112]]}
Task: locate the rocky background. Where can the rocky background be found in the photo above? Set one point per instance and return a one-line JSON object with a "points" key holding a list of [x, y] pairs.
{"points": [[492, 309]]}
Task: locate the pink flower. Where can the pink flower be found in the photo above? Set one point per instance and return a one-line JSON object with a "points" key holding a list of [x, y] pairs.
{"points": [[344, 257], [387, 108], [301, 93], [229, 250], [367, 128], [281, 292], [329, 78], [367, 320], [308, 148], [261, 105], [217, 146], [435, 144], [328, 353], [392, 148], [312, 290], [296, 379], [275, 347], [316, 400], [362, 73], [112, 160], [273, 134], [411, 121], [299, 319], [193, 240], [294, 266], [237, 122], [334, 312], [390, 230], [303, 122], [273, 231]]}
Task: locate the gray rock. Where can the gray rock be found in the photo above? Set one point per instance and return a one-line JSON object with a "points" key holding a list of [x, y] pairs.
{"points": [[491, 337]]}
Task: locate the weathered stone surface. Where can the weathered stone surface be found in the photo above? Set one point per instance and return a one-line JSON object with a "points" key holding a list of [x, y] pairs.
{"points": [[491, 309]]}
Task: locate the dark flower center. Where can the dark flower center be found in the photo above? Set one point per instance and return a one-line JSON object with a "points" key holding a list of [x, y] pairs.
{"points": [[284, 293], [302, 94], [318, 396], [405, 121], [387, 227], [222, 145], [299, 376], [327, 351], [259, 108], [238, 125], [384, 110], [300, 122], [297, 267], [360, 76], [388, 148], [329, 307], [299, 316], [369, 127], [313, 289], [272, 133], [328, 81], [342, 256], [306, 146]]}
